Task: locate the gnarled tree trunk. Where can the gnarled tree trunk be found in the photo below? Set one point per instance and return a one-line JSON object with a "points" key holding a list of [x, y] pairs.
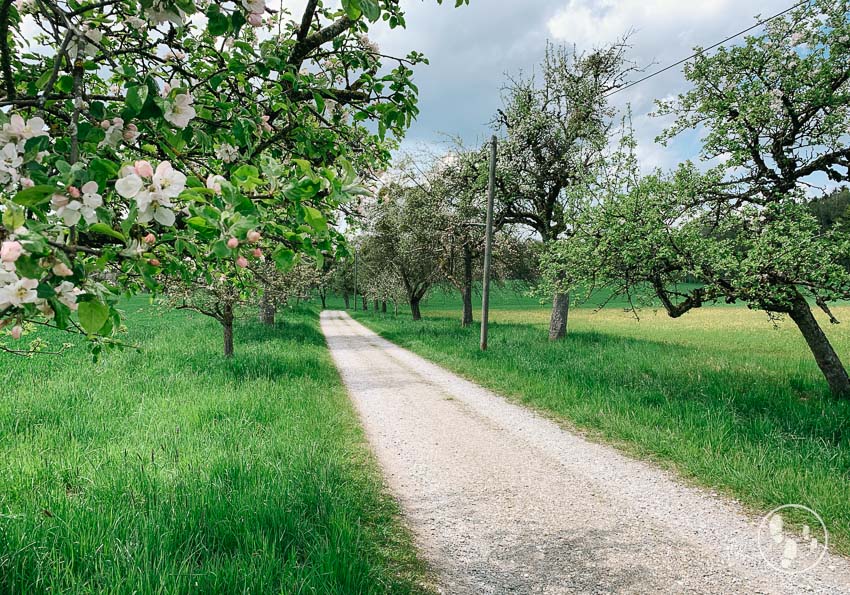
{"points": [[227, 325], [466, 291], [560, 313], [347, 300], [828, 361], [414, 308]]}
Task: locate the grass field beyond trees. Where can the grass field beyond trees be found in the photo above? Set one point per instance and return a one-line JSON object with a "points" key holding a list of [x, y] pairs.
{"points": [[175, 471], [720, 395]]}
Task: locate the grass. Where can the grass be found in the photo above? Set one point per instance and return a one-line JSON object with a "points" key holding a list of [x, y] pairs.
{"points": [[175, 471], [720, 395]]}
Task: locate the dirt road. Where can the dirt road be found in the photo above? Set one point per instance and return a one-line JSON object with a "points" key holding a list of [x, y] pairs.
{"points": [[504, 501]]}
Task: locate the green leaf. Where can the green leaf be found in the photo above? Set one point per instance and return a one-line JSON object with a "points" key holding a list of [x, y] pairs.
{"points": [[220, 249], [43, 79], [352, 9], [34, 196], [104, 229], [65, 83], [371, 9], [93, 315], [217, 23], [197, 223], [284, 258], [13, 217], [315, 219], [136, 97], [44, 291]]}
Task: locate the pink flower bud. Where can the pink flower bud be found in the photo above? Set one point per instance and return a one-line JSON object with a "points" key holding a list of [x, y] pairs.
{"points": [[255, 19], [17, 331], [149, 239], [257, 253], [74, 192], [242, 262], [105, 124], [143, 169], [254, 236], [27, 183], [10, 251], [232, 243], [154, 262], [60, 269]]}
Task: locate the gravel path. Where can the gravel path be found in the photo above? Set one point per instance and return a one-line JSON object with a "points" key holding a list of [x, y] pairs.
{"points": [[504, 501]]}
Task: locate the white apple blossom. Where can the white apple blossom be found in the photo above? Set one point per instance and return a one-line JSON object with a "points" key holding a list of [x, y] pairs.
{"points": [[153, 198], [67, 294], [114, 132], [227, 153], [19, 131], [18, 292], [214, 182], [254, 6], [165, 12], [180, 111], [129, 185], [10, 161], [72, 211]]}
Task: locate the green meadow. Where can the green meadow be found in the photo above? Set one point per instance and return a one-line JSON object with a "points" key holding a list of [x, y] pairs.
{"points": [[172, 470]]}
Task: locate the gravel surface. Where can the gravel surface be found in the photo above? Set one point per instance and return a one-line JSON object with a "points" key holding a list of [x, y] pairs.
{"points": [[504, 501]]}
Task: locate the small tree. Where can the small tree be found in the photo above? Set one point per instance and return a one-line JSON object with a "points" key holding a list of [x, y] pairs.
{"points": [[216, 295], [404, 236]]}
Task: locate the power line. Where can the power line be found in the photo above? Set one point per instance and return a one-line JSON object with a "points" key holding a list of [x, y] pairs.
{"points": [[711, 47]]}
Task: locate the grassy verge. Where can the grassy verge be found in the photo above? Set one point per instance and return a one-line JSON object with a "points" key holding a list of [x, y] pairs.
{"points": [[174, 471], [721, 396]]}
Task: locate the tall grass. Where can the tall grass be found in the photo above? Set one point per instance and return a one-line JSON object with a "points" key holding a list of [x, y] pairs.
{"points": [[720, 395], [175, 471]]}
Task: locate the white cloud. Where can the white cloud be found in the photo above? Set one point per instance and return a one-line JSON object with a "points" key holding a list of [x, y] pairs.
{"points": [[662, 33]]}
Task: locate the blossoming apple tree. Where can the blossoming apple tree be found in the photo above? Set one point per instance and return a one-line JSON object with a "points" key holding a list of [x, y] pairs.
{"points": [[775, 112], [139, 136]]}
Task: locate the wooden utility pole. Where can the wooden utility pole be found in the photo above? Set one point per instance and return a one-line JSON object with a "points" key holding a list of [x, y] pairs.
{"points": [[355, 278], [488, 247]]}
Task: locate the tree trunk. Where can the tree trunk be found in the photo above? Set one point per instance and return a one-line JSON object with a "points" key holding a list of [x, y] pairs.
{"points": [[414, 308], [267, 311], [347, 301], [365, 304], [560, 312], [828, 361], [384, 306], [324, 300], [466, 292], [227, 323], [377, 305]]}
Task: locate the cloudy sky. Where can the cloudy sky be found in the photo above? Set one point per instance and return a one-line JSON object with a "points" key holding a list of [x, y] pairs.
{"points": [[471, 48]]}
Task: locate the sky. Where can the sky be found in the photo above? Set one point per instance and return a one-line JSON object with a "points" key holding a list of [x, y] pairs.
{"points": [[472, 48]]}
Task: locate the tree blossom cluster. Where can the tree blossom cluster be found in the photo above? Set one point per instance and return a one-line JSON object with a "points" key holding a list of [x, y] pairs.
{"points": [[142, 144]]}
